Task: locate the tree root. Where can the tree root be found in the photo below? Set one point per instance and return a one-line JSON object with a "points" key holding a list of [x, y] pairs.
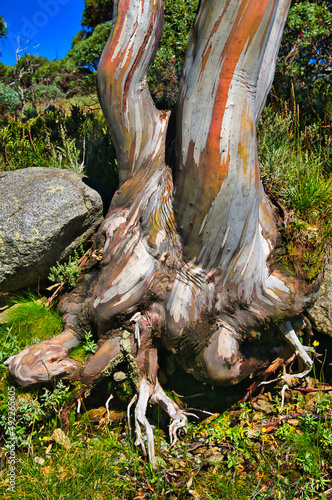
{"points": [[44, 361], [141, 420], [305, 362], [155, 394], [300, 352]]}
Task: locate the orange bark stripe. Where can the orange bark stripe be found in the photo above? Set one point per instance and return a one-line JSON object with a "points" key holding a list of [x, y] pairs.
{"points": [[249, 18], [211, 170]]}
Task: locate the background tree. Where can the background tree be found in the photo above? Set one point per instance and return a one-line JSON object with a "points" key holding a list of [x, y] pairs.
{"points": [[305, 58], [184, 258], [3, 30], [87, 49], [88, 44], [39, 83], [164, 75], [96, 12]]}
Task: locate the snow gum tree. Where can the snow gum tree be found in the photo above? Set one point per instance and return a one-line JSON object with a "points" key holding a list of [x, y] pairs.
{"points": [[184, 256]]}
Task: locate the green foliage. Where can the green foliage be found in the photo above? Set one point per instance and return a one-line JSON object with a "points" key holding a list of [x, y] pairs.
{"points": [[85, 349], [240, 454], [67, 155], [3, 28], [89, 345], [294, 164], [164, 75], [96, 12], [32, 409], [17, 146], [39, 83], [311, 194], [305, 59], [86, 50], [54, 399], [78, 140], [68, 272], [27, 321], [9, 99], [89, 43], [9, 345], [296, 167]]}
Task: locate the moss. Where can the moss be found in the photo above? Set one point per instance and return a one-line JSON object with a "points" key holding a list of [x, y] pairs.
{"points": [[125, 345], [79, 353], [124, 391], [27, 321]]}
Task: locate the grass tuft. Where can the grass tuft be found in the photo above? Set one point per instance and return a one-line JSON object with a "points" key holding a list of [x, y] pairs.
{"points": [[27, 321]]}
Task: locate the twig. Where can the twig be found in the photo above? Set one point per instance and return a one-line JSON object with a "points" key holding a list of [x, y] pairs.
{"points": [[269, 371], [290, 416], [31, 141], [322, 389], [107, 407], [7, 158], [57, 290]]}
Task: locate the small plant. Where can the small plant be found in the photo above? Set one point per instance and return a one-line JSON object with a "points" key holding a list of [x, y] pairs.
{"points": [[30, 410], [9, 344], [295, 169], [89, 345], [67, 155], [68, 272], [53, 400]]}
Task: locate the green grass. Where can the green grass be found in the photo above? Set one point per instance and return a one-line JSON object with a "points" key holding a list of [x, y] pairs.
{"points": [[26, 322], [246, 453], [243, 453], [296, 169]]}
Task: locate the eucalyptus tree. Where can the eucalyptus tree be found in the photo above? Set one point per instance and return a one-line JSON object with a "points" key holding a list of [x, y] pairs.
{"points": [[3, 30], [184, 257]]}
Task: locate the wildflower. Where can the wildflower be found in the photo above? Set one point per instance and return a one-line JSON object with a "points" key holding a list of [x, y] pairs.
{"points": [[315, 343]]}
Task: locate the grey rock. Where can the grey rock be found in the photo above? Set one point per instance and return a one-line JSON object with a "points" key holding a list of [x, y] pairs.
{"points": [[44, 213], [320, 314]]}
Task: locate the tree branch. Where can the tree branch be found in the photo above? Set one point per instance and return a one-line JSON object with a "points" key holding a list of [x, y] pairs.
{"points": [[136, 126]]}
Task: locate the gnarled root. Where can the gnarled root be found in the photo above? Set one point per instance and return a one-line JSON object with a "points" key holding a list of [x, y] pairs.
{"points": [[299, 351], [141, 420], [155, 394], [305, 362], [41, 362], [177, 415]]}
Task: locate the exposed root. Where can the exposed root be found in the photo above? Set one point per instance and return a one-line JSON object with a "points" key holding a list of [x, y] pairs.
{"points": [[136, 319], [141, 420], [107, 407], [43, 361], [300, 352], [128, 412], [155, 394], [283, 391], [177, 415], [305, 362]]}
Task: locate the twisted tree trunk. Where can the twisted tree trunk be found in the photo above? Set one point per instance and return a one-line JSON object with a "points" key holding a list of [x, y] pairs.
{"points": [[182, 258]]}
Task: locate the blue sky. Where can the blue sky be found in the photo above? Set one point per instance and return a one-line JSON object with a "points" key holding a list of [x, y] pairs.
{"points": [[50, 26]]}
